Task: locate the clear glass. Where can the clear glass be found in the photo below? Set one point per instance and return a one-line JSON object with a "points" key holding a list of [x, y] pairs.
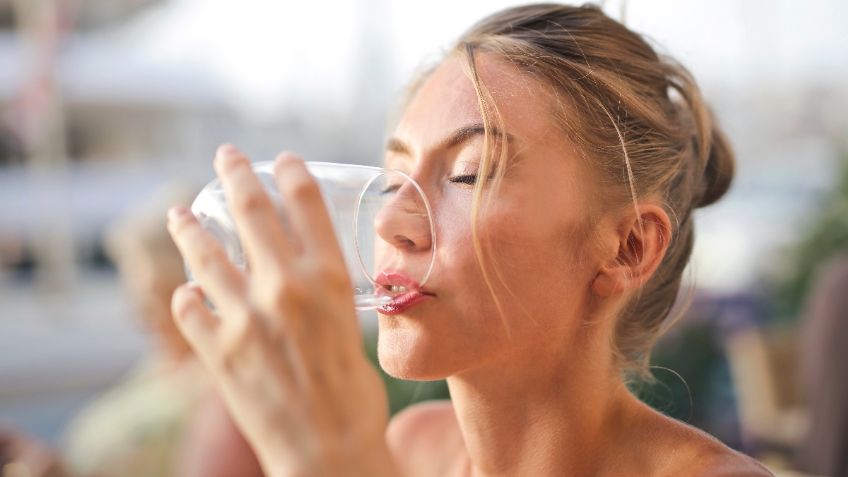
{"points": [[374, 212]]}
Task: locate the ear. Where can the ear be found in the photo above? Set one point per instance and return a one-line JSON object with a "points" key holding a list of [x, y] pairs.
{"points": [[637, 245]]}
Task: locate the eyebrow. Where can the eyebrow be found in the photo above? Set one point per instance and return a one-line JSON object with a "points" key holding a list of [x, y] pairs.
{"points": [[454, 139]]}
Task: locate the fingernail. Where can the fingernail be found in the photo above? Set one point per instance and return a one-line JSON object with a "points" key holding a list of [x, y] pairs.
{"points": [[228, 156], [176, 213], [285, 158], [226, 148], [288, 156]]}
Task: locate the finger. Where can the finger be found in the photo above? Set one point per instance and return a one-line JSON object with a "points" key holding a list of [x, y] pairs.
{"points": [[258, 223], [238, 352], [222, 282], [194, 320], [308, 213]]}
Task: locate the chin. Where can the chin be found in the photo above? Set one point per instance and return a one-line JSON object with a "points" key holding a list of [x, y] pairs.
{"points": [[404, 354]]}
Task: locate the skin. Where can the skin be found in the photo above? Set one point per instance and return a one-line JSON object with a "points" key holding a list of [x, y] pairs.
{"points": [[535, 390]]}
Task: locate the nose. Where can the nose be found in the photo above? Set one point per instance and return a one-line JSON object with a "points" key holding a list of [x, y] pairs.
{"points": [[404, 222]]}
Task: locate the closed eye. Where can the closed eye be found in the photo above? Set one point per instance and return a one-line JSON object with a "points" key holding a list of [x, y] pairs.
{"points": [[390, 189], [468, 179]]}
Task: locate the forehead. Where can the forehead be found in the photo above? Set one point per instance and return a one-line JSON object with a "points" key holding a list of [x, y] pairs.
{"points": [[447, 100]]}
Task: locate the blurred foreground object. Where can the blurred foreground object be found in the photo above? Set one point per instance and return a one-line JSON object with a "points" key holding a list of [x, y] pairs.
{"points": [[22, 456], [764, 366], [147, 424], [136, 428], [824, 365]]}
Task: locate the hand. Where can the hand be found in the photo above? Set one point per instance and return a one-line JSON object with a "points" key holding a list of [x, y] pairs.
{"points": [[285, 346], [22, 455]]}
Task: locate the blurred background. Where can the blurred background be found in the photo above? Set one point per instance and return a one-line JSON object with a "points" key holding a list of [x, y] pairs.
{"points": [[103, 103]]}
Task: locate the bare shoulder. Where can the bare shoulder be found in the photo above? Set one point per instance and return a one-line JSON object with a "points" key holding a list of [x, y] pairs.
{"points": [[703, 455], [425, 439], [726, 462]]}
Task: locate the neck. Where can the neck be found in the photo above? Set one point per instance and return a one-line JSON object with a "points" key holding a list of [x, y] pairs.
{"points": [[521, 417]]}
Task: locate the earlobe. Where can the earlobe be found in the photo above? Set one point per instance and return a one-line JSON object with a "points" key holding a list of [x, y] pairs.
{"points": [[640, 250]]}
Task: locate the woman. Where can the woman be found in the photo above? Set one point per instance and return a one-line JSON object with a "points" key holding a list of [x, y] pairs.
{"points": [[562, 158]]}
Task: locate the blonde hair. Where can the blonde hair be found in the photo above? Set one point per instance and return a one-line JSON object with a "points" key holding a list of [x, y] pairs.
{"points": [[635, 116]]}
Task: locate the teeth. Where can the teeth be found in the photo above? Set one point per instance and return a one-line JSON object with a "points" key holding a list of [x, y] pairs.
{"points": [[397, 288]]}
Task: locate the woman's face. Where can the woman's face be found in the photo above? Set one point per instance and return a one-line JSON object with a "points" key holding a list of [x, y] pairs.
{"points": [[535, 229]]}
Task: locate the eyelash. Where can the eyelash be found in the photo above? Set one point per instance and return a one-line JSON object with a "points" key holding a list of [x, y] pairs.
{"points": [[390, 189], [468, 179]]}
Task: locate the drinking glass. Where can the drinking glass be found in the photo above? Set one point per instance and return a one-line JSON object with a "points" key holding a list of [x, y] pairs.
{"points": [[359, 200]]}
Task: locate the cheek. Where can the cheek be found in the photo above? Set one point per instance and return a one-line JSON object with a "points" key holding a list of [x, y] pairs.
{"points": [[457, 266], [535, 258], [531, 253]]}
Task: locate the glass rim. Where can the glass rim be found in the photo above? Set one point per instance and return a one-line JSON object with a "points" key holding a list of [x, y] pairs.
{"points": [[267, 166], [382, 172]]}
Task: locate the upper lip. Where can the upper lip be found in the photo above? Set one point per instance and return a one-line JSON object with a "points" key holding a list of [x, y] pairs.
{"points": [[390, 278]]}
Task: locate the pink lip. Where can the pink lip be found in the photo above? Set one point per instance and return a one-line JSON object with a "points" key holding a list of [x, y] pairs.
{"points": [[415, 292]]}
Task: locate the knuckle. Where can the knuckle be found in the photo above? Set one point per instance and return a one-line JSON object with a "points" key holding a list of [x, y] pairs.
{"points": [[303, 188], [286, 292], [239, 336], [180, 226], [209, 256], [251, 201], [182, 301], [225, 359], [330, 275]]}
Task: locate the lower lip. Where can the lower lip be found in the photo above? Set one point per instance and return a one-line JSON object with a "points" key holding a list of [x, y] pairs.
{"points": [[402, 303]]}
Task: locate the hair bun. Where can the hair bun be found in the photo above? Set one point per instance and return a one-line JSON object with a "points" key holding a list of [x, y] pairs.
{"points": [[719, 169]]}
